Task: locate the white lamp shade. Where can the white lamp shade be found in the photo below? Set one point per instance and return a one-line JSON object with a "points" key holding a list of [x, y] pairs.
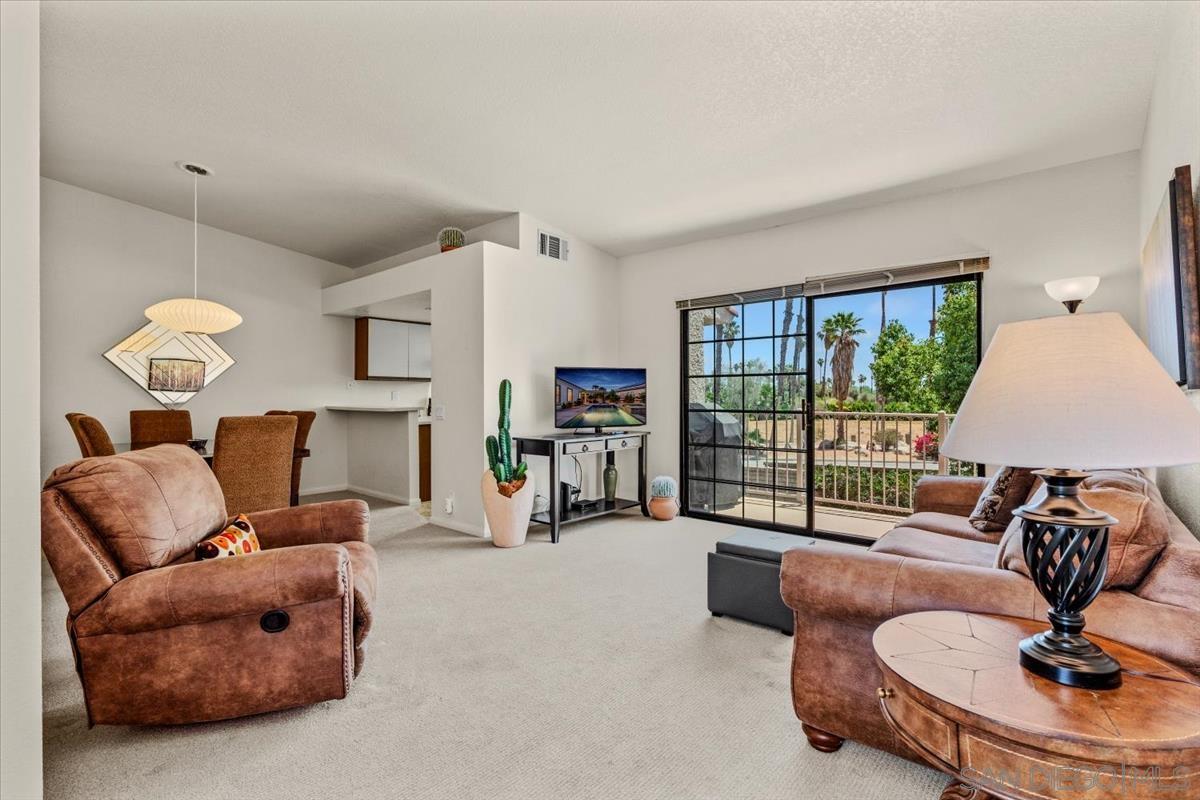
{"points": [[1066, 289], [191, 315], [1078, 391]]}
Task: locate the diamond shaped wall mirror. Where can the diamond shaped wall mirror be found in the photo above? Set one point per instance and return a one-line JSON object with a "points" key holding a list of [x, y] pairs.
{"points": [[164, 362]]}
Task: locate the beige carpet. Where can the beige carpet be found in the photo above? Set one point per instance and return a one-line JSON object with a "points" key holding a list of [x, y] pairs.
{"points": [[587, 669]]}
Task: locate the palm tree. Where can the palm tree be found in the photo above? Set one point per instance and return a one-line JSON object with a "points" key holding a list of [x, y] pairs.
{"points": [[829, 334], [731, 330], [821, 385], [849, 327], [783, 335]]}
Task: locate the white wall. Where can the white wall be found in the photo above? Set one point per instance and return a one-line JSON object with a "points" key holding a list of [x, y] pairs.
{"points": [[104, 261], [1071, 220], [1172, 139], [541, 313], [497, 312], [20, 479]]}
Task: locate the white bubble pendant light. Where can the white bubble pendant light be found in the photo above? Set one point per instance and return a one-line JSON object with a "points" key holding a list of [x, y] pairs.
{"points": [[191, 314]]}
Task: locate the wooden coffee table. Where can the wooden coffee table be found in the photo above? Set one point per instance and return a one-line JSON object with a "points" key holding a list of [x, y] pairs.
{"points": [[954, 692]]}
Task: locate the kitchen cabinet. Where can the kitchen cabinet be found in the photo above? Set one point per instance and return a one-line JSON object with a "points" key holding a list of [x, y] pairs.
{"points": [[392, 350]]}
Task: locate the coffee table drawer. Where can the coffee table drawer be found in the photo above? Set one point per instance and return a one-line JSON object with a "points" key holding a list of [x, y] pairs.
{"points": [[624, 443]]}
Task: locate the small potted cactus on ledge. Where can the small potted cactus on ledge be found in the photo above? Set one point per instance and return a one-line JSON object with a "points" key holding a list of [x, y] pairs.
{"points": [[507, 489], [664, 498]]}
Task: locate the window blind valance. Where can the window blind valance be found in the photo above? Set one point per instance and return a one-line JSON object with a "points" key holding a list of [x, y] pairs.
{"points": [[893, 276], [848, 282]]}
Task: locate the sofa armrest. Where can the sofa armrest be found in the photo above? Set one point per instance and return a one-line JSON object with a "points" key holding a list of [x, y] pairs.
{"points": [[868, 588], [949, 494], [216, 589], [865, 589], [333, 522]]}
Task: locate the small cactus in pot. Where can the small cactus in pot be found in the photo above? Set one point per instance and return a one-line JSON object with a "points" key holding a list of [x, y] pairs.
{"points": [[507, 488], [451, 239], [664, 498]]}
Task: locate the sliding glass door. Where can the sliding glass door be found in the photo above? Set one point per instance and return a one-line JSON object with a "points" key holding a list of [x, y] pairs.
{"points": [[819, 414], [744, 430]]}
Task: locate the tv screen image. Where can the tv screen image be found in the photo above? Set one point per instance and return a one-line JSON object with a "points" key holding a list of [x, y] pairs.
{"points": [[599, 397]]}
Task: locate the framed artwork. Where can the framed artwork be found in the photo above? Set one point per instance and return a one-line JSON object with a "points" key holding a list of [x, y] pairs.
{"points": [[171, 366], [1171, 283]]}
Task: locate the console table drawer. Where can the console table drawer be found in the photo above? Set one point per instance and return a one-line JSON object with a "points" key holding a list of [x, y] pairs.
{"points": [[624, 443], [574, 448]]}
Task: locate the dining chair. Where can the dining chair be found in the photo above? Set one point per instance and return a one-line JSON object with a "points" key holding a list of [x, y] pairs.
{"points": [[252, 459], [304, 423], [89, 432], [159, 426]]}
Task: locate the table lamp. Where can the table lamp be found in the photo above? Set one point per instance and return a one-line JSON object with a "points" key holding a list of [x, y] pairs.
{"points": [[1064, 394]]}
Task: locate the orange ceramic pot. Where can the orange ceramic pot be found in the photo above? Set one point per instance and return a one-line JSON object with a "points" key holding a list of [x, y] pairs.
{"points": [[664, 508]]}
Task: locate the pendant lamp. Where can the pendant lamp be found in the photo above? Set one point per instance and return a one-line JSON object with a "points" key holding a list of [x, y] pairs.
{"points": [[191, 314]]}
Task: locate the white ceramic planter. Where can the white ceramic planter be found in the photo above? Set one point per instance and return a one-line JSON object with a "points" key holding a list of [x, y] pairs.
{"points": [[507, 517]]}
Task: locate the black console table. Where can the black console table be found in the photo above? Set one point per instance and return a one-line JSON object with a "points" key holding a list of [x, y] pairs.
{"points": [[558, 446]]}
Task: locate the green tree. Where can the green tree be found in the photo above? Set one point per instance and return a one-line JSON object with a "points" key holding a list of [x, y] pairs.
{"points": [[956, 354], [901, 368]]}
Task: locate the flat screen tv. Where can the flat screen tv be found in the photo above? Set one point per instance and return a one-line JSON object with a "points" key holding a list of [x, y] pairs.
{"points": [[599, 397]]}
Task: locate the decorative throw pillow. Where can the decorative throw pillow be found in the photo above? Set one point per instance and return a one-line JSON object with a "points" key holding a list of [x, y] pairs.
{"points": [[236, 540], [1005, 490]]}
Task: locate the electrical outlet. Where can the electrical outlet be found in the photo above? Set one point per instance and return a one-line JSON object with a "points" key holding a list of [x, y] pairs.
{"points": [[439, 412], [448, 506], [395, 395]]}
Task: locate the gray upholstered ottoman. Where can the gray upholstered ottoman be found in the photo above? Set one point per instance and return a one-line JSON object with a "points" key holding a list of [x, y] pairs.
{"points": [[743, 577]]}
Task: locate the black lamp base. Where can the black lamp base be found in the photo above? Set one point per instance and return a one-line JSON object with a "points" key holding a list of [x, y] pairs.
{"points": [[1065, 545], [1074, 661]]}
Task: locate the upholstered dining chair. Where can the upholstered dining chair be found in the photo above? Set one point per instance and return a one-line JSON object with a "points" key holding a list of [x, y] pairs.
{"points": [[159, 426], [252, 459], [93, 439], [304, 423]]}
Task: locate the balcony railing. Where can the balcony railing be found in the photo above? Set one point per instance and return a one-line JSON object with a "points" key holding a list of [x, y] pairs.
{"points": [[871, 461]]}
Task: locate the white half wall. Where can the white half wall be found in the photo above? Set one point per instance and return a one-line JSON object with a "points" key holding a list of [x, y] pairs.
{"points": [[455, 283], [104, 261], [20, 473], [1071, 220]]}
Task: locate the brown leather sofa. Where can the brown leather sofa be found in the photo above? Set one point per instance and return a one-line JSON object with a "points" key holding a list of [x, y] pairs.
{"points": [[161, 638], [936, 560]]}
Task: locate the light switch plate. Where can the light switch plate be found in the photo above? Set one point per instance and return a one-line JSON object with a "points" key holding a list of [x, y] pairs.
{"points": [[439, 412]]}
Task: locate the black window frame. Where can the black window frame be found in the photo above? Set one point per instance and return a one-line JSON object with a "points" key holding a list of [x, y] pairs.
{"points": [[807, 303]]}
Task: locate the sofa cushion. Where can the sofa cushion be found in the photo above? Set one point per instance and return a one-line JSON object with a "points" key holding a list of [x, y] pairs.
{"points": [[949, 525], [930, 546], [237, 539], [148, 507], [1134, 543], [1005, 490]]}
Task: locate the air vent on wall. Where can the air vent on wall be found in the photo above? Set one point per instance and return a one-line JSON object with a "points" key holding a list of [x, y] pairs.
{"points": [[552, 246]]}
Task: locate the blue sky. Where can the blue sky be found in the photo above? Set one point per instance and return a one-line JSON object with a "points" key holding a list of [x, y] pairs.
{"points": [[913, 307]]}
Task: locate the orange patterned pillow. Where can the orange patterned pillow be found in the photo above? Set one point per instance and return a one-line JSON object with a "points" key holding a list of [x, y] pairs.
{"points": [[236, 540]]}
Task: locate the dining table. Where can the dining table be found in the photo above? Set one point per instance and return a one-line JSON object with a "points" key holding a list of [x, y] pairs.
{"points": [[204, 449]]}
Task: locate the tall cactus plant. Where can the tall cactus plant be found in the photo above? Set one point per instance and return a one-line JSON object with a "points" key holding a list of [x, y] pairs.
{"points": [[509, 478]]}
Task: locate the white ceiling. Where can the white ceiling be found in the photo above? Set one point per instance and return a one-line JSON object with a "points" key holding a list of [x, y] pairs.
{"points": [[354, 131]]}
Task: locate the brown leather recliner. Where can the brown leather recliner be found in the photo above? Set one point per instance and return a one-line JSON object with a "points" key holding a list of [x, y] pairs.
{"points": [[936, 560], [161, 638]]}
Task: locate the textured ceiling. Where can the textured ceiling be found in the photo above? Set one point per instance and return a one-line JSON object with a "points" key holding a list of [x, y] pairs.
{"points": [[353, 131]]}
